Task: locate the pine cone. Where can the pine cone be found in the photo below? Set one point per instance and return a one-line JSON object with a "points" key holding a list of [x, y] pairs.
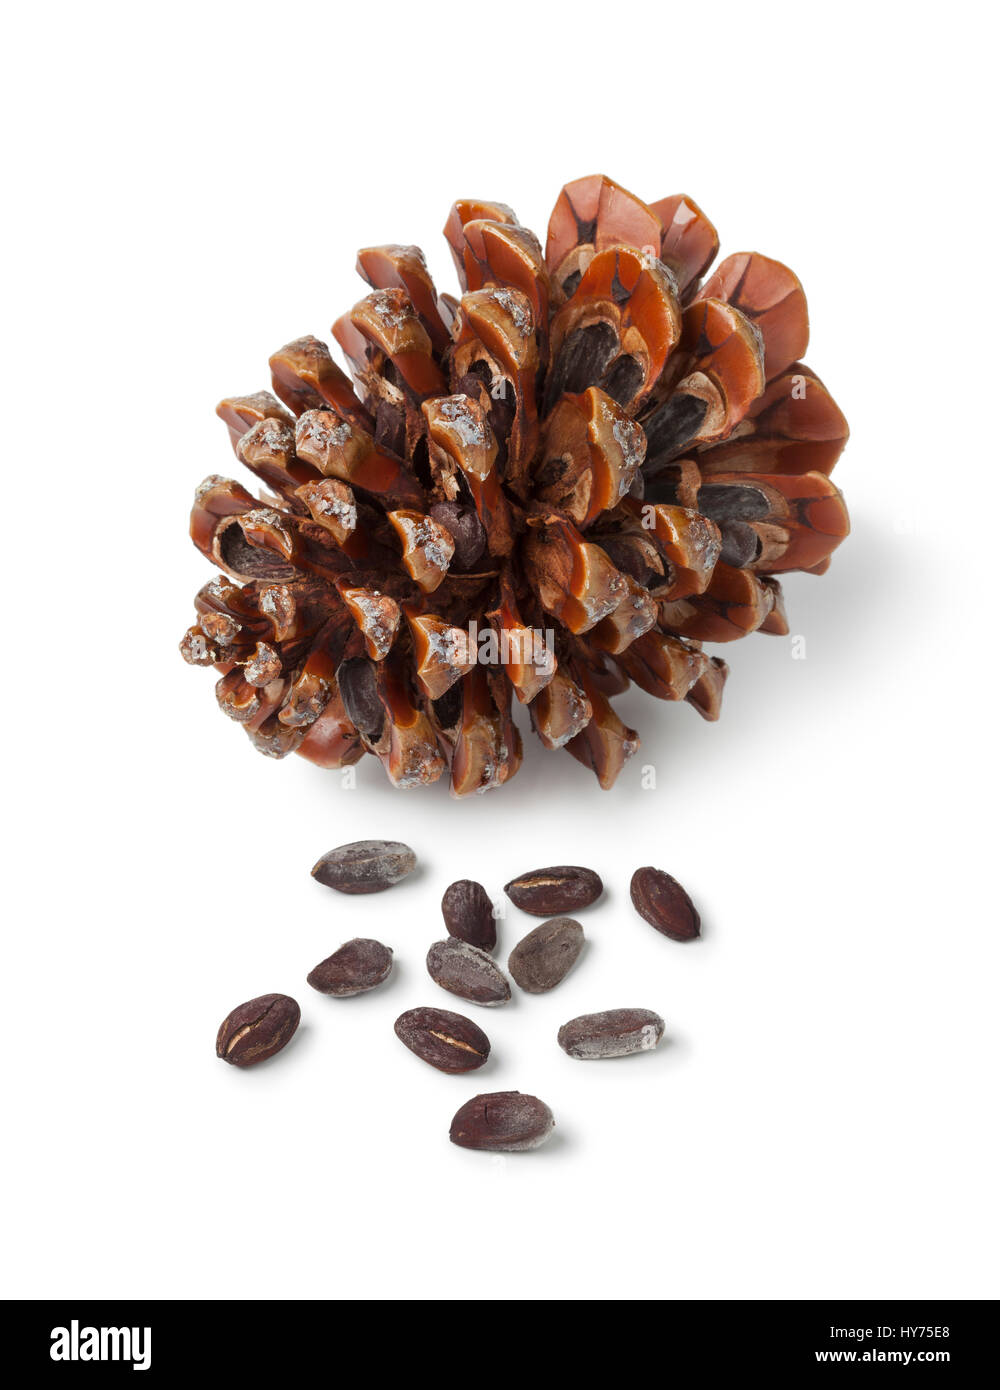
{"points": [[567, 480]]}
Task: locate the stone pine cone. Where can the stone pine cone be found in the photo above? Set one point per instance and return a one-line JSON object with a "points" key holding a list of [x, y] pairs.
{"points": [[598, 443]]}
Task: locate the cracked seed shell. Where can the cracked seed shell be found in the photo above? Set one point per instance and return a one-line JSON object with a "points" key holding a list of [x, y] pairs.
{"points": [[448, 1041], [549, 892], [257, 1029]]}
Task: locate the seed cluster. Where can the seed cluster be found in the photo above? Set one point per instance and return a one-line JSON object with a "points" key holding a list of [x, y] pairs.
{"points": [[462, 964]]}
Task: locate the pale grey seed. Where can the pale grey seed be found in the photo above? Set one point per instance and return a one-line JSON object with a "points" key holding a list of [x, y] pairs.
{"points": [[546, 955], [614, 1033], [366, 866]]}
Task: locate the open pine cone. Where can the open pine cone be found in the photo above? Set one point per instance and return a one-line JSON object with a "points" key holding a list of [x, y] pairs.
{"points": [[596, 446]]}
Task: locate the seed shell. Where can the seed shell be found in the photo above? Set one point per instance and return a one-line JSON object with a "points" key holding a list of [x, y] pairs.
{"points": [[468, 914], [502, 1122], [664, 904], [468, 972], [549, 892], [614, 1033], [546, 955], [357, 966], [365, 866], [257, 1029], [451, 1042]]}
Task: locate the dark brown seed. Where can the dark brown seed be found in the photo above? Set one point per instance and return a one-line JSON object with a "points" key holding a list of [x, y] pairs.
{"points": [[468, 972], [547, 892], [502, 1122], [358, 965], [356, 681], [465, 529], [468, 914], [546, 955], [615, 1033], [450, 1042], [257, 1029], [664, 904], [366, 866]]}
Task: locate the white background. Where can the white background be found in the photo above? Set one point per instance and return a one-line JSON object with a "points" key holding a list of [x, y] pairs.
{"points": [[187, 187]]}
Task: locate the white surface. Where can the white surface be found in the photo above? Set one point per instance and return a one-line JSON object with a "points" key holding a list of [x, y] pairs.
{"points": [[190, 187]]}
